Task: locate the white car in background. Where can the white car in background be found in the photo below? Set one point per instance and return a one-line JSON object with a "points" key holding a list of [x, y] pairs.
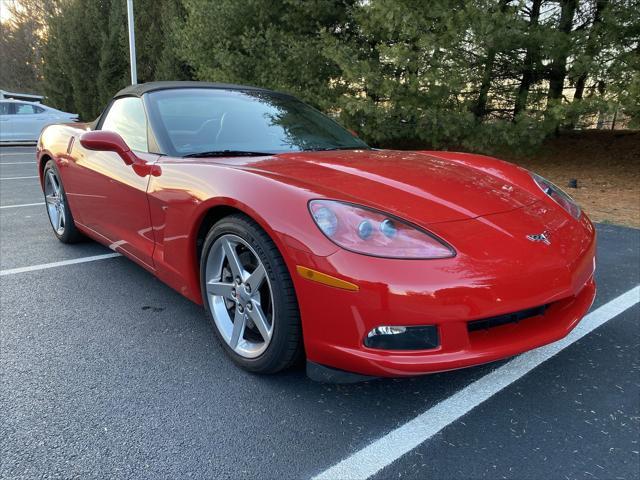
{"points": [[22, 121]]}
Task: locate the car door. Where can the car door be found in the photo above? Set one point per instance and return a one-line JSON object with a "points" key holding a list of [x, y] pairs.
{"points": [[7, 127], [109, 195], [27, 121]]}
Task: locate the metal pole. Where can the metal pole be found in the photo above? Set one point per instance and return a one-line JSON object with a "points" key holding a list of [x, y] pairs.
{"points": [[132, 44]]}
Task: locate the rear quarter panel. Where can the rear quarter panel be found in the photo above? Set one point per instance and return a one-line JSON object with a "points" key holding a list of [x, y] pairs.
{"points": [[54, 143]]}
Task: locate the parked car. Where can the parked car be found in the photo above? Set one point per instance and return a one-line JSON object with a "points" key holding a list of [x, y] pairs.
{"points": [[22, 121], [300, 239]]}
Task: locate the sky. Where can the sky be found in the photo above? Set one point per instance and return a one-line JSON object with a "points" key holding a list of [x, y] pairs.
{"points": [[4, 11]]}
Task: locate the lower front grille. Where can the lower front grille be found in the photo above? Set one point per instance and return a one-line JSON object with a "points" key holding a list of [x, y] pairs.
{"points": [[492, 322]]}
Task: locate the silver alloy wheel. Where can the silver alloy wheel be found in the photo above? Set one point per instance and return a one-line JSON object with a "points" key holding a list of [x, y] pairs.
{"points": [[240, 296], [55, 202]]}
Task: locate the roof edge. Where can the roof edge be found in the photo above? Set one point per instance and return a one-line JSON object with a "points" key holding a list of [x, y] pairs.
{"points": [[140, 89]]}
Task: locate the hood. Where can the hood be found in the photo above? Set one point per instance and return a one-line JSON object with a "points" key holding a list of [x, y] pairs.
{"points": [[417, 186]]}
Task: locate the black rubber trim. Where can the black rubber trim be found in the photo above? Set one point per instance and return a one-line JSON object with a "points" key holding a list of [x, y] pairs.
{"points": [[320, 373]]}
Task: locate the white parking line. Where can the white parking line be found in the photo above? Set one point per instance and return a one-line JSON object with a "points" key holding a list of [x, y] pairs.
{"points": [[395, 444], [44, 266], [22, 205], [17, 163], [17, 178], [16, 153]]}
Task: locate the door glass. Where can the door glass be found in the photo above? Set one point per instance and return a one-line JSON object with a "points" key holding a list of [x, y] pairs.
{"points": [[4, 108], [127, 118], [25, 109]]}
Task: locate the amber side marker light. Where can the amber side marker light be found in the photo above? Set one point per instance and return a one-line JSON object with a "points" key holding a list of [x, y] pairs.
{"points": [[325, 279]]}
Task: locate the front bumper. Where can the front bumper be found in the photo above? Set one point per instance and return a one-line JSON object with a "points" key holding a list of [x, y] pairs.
{"points": [[460, 348], [485, 281]]}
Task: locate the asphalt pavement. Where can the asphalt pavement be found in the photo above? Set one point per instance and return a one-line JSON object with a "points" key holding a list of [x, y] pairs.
{"points": [[105, 372]]}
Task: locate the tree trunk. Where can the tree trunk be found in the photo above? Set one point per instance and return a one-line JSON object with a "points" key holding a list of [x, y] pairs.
{"points": [[591, 49], [530, 60], [558, 69], [480, 108]]}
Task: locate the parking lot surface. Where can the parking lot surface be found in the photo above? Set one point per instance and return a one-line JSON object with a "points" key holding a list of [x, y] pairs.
{"points": [[108, 373]]}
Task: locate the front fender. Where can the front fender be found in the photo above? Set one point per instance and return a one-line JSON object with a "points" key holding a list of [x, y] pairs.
{"points": [[184, 193]]}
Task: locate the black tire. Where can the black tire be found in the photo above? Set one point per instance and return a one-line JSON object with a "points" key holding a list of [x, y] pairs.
{"points": [[285, 347], [70, 234]]}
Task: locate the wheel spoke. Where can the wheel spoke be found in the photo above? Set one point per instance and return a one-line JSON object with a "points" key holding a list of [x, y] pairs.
{"points": [[53, 216], [232, 257], [54, 183], [59, 221], [260, 320], [239, 323], [51, 199], [257, 277], [220, 288]]}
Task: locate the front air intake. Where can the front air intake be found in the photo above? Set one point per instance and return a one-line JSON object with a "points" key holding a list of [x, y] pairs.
{"points": [[515, 317]]}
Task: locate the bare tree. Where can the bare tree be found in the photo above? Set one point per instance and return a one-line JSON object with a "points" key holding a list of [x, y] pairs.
{"points": [[21, 44]]}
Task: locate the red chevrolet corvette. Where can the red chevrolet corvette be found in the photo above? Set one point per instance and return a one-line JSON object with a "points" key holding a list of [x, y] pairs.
{"points": [[299, 239]]}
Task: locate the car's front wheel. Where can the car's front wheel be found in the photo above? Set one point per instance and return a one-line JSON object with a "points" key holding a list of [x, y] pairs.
{"points": [[249, 295], [58, 210]]}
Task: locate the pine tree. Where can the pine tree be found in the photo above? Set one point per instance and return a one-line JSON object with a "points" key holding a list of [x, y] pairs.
{"points": [[113, 74], [56, 82], [407, 73], [264, 43]]}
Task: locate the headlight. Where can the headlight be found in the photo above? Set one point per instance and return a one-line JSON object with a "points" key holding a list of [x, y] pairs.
{"points": [[561, 198], [366, 231]]}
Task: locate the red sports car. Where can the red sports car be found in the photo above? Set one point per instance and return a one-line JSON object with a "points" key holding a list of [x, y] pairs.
{"points": [[301, 240]]}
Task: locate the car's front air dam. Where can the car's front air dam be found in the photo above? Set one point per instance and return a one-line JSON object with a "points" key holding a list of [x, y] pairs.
{"points": [[497, 271]]}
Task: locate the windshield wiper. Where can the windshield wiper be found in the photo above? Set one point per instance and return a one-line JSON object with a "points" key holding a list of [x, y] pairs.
{"points": [[227, 153]]}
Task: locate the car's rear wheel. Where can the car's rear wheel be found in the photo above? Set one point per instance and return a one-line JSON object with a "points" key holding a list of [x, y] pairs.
{"points": [[58, 210], [249, 295]]}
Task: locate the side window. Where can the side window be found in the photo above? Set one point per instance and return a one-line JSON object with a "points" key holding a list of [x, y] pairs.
{"points": [[127, 118], [25, 109], [4, 108], [38, 109]]}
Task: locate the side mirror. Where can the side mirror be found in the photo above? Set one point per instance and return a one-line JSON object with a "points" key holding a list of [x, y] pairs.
{"points": [[107, 142]]}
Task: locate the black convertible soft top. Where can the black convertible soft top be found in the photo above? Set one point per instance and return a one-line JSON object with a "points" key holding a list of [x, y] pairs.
{"points": [[142, 88]]}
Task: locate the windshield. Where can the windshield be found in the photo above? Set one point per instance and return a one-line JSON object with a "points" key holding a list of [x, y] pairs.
{"points": [[193, 121]]}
